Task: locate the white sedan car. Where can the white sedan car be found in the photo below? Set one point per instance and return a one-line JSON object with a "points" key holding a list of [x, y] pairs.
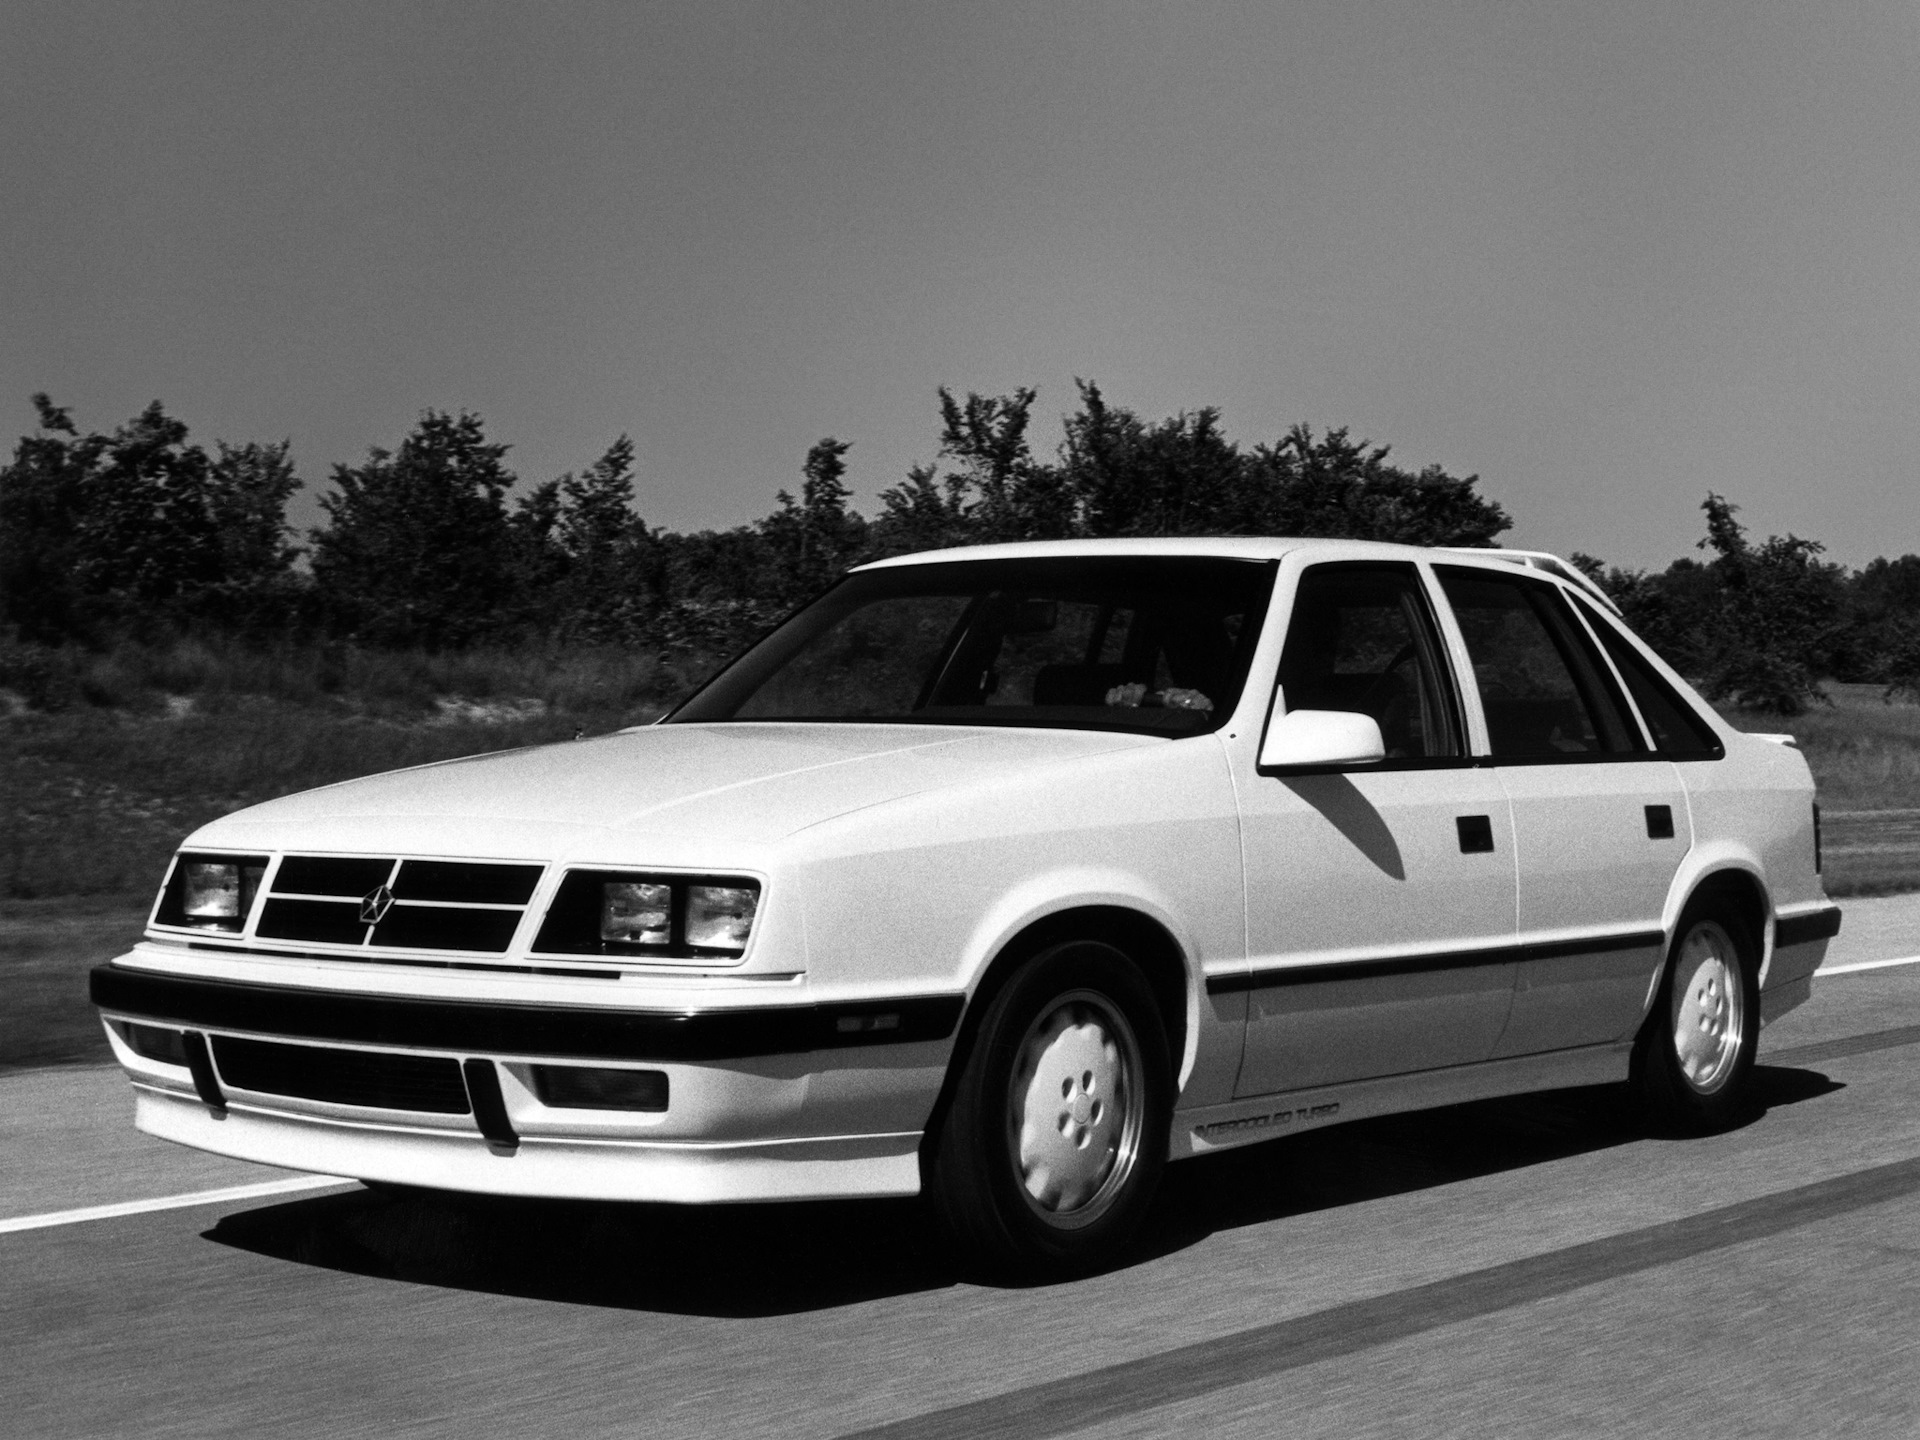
{"points": [[1006, 875]]}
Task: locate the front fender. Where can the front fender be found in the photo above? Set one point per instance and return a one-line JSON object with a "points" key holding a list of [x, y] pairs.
{"points": [[1069, 888]]}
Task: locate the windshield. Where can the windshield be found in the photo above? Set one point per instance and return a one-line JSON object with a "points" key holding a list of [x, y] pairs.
{"points": [[1155, 644]]}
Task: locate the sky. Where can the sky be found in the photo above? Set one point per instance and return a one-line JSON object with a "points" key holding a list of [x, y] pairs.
{"points": [[1607, 257]]}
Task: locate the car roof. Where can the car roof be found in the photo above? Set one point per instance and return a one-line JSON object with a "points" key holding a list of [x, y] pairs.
{"points": [[1226, 547], [1243, 547]]}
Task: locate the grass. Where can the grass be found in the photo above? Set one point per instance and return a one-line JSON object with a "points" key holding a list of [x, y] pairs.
{"points": [[335, 678], [1865, 756], [1864, 751]]}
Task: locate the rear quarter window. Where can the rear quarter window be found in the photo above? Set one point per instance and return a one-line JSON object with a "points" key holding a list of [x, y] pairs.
{"points": [[1678, 730]]}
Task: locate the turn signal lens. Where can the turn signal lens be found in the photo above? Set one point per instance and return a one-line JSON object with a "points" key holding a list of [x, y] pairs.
{"points": [[719, 917], [576, 1087], [166, 1046], [636, 912]]}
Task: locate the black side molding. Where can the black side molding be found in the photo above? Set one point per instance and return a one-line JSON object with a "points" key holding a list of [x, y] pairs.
{"points": [[1799, 929], [1432, 960], [574, 1032]]}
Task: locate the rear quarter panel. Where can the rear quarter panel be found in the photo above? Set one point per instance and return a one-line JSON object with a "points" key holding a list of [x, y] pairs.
{"points": [[1753, 811]]}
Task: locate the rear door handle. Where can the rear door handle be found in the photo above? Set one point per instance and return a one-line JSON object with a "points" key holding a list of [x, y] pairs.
{"points": [[1476, 834], [1659, 822]]}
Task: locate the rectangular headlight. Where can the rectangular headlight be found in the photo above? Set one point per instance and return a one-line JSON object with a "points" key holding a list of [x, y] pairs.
{"points": [[610, 912], [719, 917], [210, 892], [636, 912]]}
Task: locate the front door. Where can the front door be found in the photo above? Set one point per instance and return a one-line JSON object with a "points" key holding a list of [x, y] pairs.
{"points": [[1380, 900]]}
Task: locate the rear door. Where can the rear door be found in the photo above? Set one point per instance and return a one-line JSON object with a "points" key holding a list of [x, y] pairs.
{"points": [[1600, 823], [1380, 899]]}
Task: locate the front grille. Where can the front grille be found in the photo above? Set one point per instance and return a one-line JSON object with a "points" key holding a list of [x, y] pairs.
{"points": [[466, 883], [328, 875], [397, 904], [313, 920], [343, 1077], [420, 927]]}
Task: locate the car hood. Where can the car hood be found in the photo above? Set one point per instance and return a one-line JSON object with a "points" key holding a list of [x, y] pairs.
{"points": [[706, 785]]}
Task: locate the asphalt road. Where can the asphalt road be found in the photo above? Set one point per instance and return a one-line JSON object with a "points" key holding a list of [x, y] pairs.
{"points": [[1522, 1267]]}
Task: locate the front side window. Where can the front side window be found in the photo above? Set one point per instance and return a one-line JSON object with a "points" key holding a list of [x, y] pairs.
{"points": [[1360, 639], [1544, 691], [1156, 644]]}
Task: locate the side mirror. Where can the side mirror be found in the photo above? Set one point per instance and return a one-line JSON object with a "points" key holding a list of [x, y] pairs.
{"points": [[1321, 737]]}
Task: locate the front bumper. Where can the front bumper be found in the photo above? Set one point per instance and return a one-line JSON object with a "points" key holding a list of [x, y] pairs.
{"points": [[788, 1101]]}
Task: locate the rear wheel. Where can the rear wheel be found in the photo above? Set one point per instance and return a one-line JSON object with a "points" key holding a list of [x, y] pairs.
{"points": [[1693, 1062], [1057, 1134]]}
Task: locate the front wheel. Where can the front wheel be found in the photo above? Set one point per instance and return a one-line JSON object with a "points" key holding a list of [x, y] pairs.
{"points": [[1057, 1134], [1693, 1062]]}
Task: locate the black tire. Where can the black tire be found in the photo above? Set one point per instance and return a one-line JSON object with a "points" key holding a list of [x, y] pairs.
{"points": [[1693, 1060], [1038, 1183]]}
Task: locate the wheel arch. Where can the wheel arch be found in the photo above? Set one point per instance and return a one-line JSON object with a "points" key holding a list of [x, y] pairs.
{"points": [[1657, 1073], [1736, 880], [1743, 890], [1142, 937]]}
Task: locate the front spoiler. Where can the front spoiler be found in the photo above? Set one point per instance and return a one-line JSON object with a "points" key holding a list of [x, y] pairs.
{"points": [[572, 1032], [570, 1166], [788, 1102]]}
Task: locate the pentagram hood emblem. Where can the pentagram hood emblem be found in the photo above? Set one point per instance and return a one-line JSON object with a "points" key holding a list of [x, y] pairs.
{"points": [[374, 905]]}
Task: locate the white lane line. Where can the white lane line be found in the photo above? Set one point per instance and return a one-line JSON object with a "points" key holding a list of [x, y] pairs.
{"points": [[172, 1202], [1865, 965]]}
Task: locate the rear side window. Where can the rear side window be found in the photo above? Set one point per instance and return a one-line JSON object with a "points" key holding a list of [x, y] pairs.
{"points": [[1677, 727], [1361, 639], [1545, 693]]}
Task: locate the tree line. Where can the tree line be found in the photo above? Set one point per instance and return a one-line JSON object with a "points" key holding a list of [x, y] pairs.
{"points": [[139, 532]]}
